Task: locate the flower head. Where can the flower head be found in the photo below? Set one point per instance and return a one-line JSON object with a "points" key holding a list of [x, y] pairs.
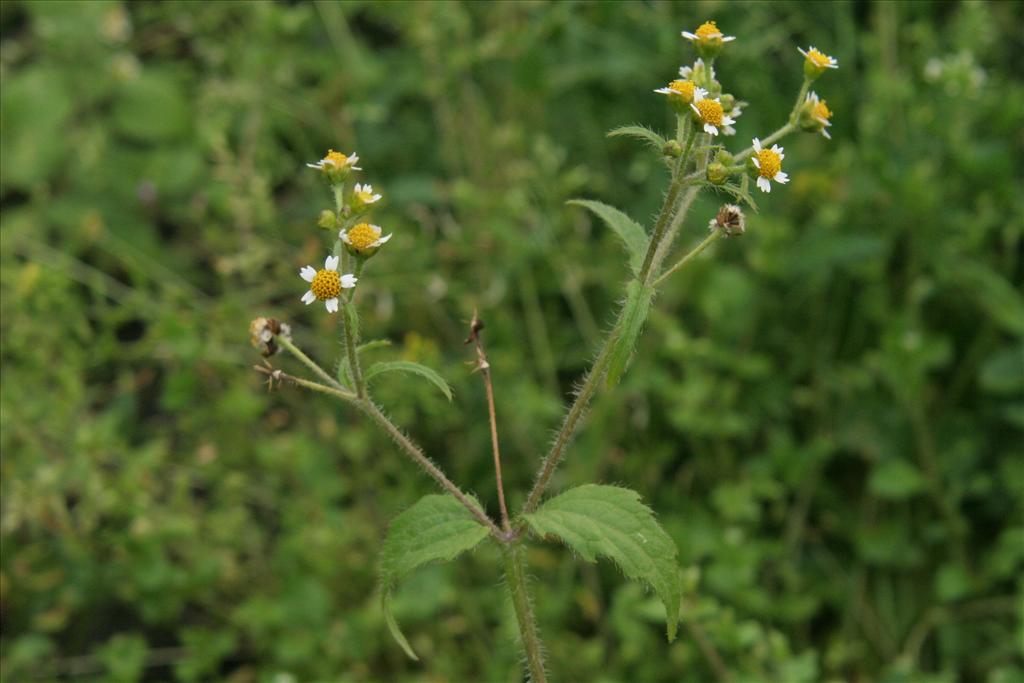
{"points": [[326, 284], [816, 61], [708, 39], [265, 332], [363, 239], [768, 163], [709, 112], [337, 165], [730, 220], [362, 196], [815, 115], [680, 94]]}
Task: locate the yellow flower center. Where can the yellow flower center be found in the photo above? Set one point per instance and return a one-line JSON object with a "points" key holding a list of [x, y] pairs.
{"points": [[818, 58], [684, 88], [770, 162], [821, 111], [326, 284], [364, 197], [362, 236], [708, 30], [336, 159], [710, 111]]}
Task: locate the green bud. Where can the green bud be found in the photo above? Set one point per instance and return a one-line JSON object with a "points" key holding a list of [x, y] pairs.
{"points": [[327, 220], [728, 101], [723, 157], [672, 149], [717, 173]]}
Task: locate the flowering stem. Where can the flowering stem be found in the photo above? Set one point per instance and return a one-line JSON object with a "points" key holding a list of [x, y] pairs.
{"points": [[308, 362], [773, 138], [515, 576], [692, 254], [414, 452], [794, 115]]}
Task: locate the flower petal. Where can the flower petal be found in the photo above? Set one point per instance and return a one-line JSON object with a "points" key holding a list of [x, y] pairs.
{"points": [[331, 305], [708, 128], [757, 145], [689, 36], [307, 273], [763, 184], [348, 280], [309, 297], [331, 263], [781, 177]]}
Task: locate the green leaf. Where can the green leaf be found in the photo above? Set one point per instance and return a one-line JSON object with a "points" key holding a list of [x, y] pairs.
{"points": [[629, 231], [153, 108], [639, 132], [638, 303], [895, 479], [373, 345], [611, 521], [436, 528], [408, 366]]}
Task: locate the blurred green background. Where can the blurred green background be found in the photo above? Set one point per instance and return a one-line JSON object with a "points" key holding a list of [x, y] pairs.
{"points": [[826, 414]]}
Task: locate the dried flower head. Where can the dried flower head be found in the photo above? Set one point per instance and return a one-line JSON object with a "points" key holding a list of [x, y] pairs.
{"points": [[265, 333], [730, 220]]}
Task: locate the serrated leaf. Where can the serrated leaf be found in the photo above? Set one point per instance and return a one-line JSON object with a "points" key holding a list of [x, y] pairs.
{"points": [[408, 366], [437, 528], [639, 132], [610, 521], [638, 304], [629, 231]]}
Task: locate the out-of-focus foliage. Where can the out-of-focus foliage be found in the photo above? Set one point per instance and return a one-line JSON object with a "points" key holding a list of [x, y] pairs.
{"points": [[826, 413]]}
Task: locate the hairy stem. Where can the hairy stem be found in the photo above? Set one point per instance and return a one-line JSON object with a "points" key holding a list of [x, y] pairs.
{"points": [[485, 369], [278, 376], [414, 452], [515, 577], [350, 350], [308, 362], [692, 254]]}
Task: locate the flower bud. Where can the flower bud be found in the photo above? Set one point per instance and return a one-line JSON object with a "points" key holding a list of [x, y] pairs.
{"points": [[717, 173], [725, 158], [672, 149], [327, 220]]}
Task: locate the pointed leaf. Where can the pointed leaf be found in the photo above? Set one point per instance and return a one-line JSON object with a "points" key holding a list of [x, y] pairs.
{"points": [[639, 132], [638, 304], [436, 528], [373, 345], [408, 366], [611, 521], [629, 231]]}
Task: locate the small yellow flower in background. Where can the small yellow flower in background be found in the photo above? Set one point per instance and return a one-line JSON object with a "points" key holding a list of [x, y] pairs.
{"points": [[768, 163], [363, 239], [708, 39], [815, 115], [326, 284], [337, 165], [709, 112], [363, 196], [816, 61]]}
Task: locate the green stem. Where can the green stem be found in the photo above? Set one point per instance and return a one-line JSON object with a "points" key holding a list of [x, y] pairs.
{"points": [[795, 114], [705, 243], [350, 349], [414, 452], [308, 362], [774, 137], [515, 576]]}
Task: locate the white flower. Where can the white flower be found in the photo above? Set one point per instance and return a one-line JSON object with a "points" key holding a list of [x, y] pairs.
{"points": [[820, 112], [709, 111], [336, 161], [325, 284], [364, 237], [363, 195], [769, 166]]}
